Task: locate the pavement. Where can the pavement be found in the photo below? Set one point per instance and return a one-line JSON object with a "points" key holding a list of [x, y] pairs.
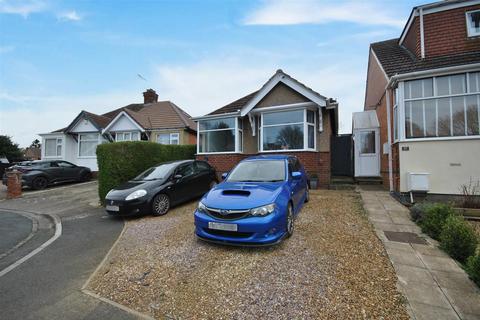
{"points": [[435, 286], [48, 285]]}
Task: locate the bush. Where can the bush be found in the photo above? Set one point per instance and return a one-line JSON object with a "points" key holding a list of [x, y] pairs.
{"points": [[434, 219], [417, 212], [121, 161], [473, 268], [458, 238]]}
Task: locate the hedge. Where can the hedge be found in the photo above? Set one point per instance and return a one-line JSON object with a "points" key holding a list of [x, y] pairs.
{"points": [[121, 161], [458, 238], [473, 268], [434, 219]]}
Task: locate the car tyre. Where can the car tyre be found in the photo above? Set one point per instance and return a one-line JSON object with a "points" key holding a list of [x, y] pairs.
{"points": [[39, 183], [307, 194], [290, 221], [160, 204]]}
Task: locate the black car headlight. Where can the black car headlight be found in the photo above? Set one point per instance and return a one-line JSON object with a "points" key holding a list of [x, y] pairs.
{"points": [[263, 210]]}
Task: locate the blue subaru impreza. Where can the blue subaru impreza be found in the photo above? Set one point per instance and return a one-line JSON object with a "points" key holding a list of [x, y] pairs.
{"points": [[256, 204]]}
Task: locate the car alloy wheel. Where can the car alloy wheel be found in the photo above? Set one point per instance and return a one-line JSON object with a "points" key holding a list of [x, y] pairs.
{"points": [[161, 204], [39, 183], [290, 221]]}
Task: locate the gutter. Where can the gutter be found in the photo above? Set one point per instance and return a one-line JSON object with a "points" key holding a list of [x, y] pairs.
{"points": [[215, 116]]}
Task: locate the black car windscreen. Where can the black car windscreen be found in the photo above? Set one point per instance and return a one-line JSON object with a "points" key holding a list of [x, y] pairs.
{"points": [[156, 173]]}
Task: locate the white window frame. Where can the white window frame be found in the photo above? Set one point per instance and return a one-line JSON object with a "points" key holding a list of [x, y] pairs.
{"points": [[175, 136], [90, 140], [236, 131], [58, 144], [171, 136], [402, 108], [125, 133], [471, 33], [305, 130]]}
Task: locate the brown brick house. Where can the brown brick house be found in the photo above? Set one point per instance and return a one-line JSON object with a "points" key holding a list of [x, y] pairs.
{"points": [[283, 116], [424, 91]]}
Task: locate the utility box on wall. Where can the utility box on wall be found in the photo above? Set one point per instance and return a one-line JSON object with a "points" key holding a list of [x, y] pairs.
{"points": [[418, 181]]}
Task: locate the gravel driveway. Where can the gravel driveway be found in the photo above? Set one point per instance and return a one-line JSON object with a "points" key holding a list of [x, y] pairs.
{"points": [[334, 267]]}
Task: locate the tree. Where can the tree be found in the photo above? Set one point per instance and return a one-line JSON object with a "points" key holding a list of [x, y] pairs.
{"points": [[35, 144], [9, 149]]}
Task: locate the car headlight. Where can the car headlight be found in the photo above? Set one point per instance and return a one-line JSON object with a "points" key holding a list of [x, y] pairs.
{"points": [[263, 210], [201, 207], [136, 194]]}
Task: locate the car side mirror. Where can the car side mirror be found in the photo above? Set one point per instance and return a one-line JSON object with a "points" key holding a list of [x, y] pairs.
{"points": [[224, 175], [296, 175]]}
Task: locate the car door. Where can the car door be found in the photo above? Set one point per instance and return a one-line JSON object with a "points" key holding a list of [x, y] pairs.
{"points": [[69, 170], [203, 177], [296, 184], [53, 171], [183, 187]]}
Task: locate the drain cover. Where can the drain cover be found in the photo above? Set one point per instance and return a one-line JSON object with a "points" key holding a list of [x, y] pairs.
{"points": [[406, 237]]}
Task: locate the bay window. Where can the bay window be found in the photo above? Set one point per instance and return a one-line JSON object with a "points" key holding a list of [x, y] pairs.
{"points": [[219, 135], [288, 130], [53, 147], [87, 144], [445, 106], [127, 136]]}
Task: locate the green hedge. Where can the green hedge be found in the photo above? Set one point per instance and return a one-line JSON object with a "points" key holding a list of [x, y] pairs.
{"points": [[458, 238], [121, 161], [473, 268], [434, 219]]}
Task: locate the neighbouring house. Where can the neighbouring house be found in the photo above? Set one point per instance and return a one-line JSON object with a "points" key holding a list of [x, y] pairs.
{"points": [[32, 153], [152, 120], [420, 127], [283, 116]]}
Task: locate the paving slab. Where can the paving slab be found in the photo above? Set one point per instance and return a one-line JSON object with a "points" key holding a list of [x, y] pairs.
{"points": [[428, 312]]}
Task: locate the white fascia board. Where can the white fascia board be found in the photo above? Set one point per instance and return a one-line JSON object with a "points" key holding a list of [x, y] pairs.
{"points": [[300, 105], [442, 6], [123, 113], [433, 72], [51, 134], [216, 116]]}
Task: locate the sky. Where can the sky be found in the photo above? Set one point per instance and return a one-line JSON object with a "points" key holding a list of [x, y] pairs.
{"points": [[60, 57]]}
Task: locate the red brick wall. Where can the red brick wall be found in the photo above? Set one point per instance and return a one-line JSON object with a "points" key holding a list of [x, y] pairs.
{"points": [[314, 163], [446, 33], [412, 38], [396, 167], [192, 138]]}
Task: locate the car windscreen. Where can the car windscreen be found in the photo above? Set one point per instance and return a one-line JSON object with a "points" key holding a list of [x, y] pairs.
{"points": [[258, 171], [156, 173]]}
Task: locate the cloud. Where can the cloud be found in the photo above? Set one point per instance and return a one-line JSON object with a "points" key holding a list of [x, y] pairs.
{"points": [[23, 8], [6, 49], [287, 12], [69, 16]]}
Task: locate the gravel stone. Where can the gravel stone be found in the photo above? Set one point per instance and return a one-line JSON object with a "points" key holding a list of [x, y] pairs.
{"points": [[333, 267]]}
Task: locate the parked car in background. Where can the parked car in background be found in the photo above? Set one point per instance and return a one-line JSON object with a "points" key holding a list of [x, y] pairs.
{"points": [[40, 174], [161, 187], [256, 204]]}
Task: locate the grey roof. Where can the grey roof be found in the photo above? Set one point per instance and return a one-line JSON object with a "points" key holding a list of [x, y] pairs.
{"points": [[396, 59]]}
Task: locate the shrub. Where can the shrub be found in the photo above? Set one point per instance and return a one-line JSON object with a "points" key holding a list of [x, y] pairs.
{"points": [[121, 161], [473, 268], [417, 212], [434, 219], [458, 238]]}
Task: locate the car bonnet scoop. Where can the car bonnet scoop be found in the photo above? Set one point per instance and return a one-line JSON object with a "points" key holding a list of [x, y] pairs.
{"points": [[236, 192]]}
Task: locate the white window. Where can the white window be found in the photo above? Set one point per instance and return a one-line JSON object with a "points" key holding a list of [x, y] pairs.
{"points": [[443, 106], [367, 142], [395, 116], [168, 138], [218, 135], [288, 130], [127, 136], [473, 23], [87, 144], [53, 147]]}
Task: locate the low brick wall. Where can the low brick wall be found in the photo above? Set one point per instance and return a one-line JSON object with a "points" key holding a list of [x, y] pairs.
{"points": [[314, 162]]}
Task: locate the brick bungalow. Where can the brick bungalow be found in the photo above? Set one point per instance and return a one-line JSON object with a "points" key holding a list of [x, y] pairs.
{"points": [[283, 116], [423, 99]]}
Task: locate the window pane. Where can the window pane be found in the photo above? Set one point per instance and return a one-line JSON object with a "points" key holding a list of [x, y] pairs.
{"points": [[223, 123], [87, 148], [217, 141], [283, 137], [50, 147], [163, 138], [367, 142], [444, 117], [89, 136], [417, 119], [473, 23], [457, 84], [474, 79], [283, 117], [119, 136], [458, 115], [135, 136], [407, 90], [416, 89], [395, 123], [442, 86], [428, 87], [174, 138], [430, 118], [59, 150], [311, 137], [310, 116], [472, 115], [408, 119]]}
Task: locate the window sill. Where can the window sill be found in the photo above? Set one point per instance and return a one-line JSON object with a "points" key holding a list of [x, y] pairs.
{"points": [[86, 157], [295, 150], [227, 152], [440, 139]]}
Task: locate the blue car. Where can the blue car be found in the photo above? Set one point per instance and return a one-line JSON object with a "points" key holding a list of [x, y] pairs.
{"points": [[256, 204]]}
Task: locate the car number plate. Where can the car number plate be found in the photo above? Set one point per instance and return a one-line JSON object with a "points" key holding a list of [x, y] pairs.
{"points": [[222, 226], [113, 208]]}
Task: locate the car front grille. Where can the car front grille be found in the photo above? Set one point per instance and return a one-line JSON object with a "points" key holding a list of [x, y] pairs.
{"points": [[227, 214], [229, 234]]}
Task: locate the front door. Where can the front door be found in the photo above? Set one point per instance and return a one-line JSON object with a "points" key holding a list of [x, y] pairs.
{"points": [[367, 153]]}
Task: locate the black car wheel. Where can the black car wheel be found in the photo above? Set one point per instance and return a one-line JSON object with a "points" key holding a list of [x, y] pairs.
{"points": [[39, 183], [86, 176], [290, 221], [161, 204], [307, 194]]}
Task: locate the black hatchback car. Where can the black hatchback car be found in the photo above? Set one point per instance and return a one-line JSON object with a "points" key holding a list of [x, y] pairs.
{"points": [[161, 187], [40, 174]]}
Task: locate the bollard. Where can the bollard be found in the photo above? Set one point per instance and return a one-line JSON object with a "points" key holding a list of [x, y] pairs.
{"points": [[14, 184]]}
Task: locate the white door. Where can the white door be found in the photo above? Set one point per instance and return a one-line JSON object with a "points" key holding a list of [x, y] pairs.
{"points": [[367, 153]]}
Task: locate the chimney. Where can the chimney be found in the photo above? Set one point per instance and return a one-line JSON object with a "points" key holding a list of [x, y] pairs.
{"points": [[150, 96]]}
